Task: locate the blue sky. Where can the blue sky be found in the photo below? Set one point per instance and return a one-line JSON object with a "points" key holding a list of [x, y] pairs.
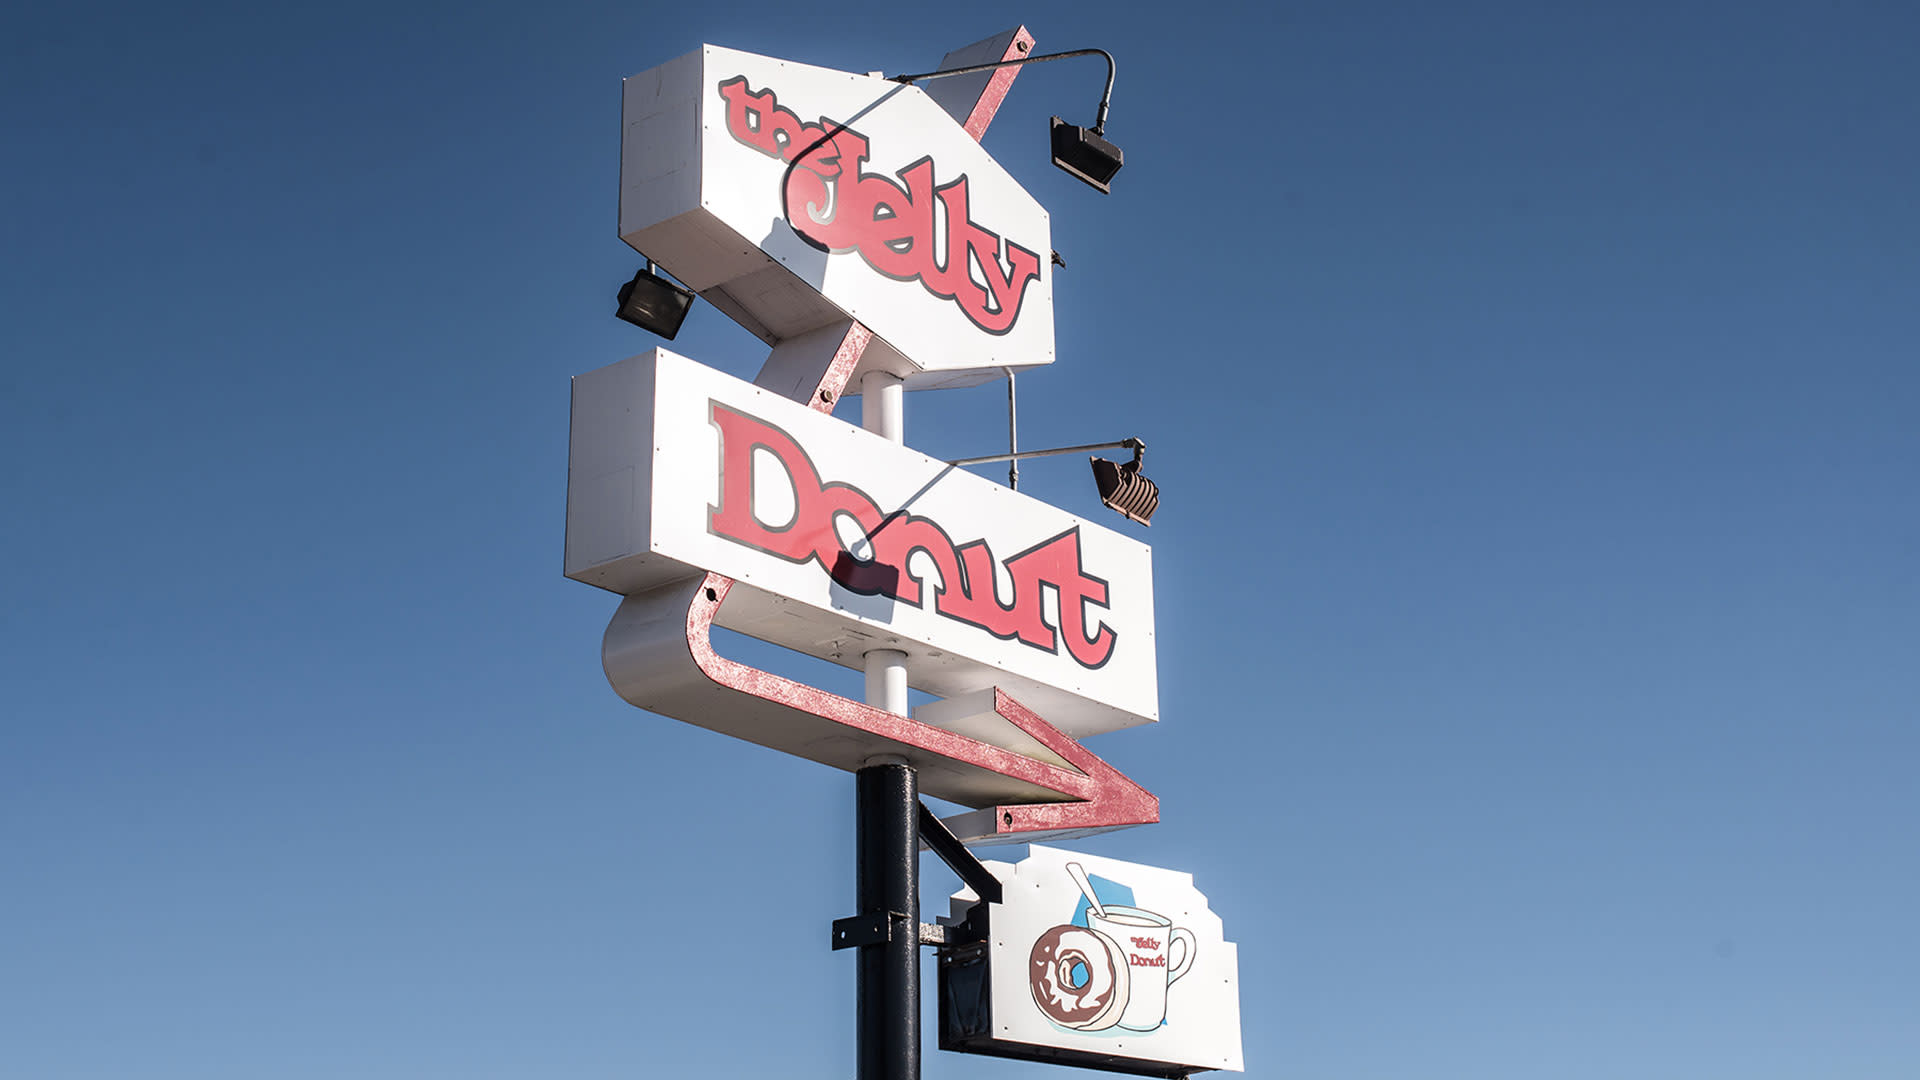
{"points": [[1532, 393]]}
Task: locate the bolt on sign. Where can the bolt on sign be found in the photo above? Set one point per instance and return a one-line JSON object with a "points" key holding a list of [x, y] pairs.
{"points": [[793, 197], [1094, 962]]}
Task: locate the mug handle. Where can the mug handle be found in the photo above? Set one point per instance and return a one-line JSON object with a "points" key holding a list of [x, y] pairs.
{"points": [[1180, 934]]}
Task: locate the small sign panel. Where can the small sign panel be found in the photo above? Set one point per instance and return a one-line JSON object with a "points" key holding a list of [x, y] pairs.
{"points": [[791, 196], [1093, 961]]}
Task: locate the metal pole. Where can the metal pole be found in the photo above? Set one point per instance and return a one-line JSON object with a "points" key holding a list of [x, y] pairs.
{"points": [[1124, 444], [1100, 120], [1013, 436], [887, 842], [887, 838]]}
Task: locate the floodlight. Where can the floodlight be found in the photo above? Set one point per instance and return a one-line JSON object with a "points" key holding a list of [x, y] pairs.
{"points": [[1122, 488], [1084, 154], [652, 302]]}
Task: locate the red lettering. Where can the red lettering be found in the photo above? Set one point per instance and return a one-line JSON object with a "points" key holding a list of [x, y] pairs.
{"points": [[899, 221], [740, 435], [835, 206], [813, 534], [978, 602], [966, 573], [1057, 563]]}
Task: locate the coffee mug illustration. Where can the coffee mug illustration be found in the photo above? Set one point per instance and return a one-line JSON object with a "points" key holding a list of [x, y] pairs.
{"points": [[1113, 971]]}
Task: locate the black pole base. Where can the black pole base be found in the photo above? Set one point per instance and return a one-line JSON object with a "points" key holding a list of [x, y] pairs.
{"points": [[887, 887]]}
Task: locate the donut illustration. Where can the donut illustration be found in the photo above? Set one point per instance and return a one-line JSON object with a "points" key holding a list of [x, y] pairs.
{"points": [[1078, 978]]}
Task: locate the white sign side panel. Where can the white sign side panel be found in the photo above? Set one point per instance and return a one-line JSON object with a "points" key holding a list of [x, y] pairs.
{"points": [[915, 230], [660, 143], [609, 444], [1152, 977], [863, 532]]}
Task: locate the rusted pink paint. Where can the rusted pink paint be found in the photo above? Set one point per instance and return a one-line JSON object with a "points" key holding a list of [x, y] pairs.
{"points": [[840, 369], [997, 86]]}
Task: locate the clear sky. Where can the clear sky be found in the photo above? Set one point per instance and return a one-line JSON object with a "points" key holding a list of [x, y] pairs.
{"points": [[1533, 393]]}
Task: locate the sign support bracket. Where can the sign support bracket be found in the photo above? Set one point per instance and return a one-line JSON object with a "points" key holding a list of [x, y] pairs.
{"points": [[945, 844]]}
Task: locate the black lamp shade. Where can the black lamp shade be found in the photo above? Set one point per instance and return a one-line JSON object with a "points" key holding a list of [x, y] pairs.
{"points": [[651, 302], [1122, 488], [1085, 155]]}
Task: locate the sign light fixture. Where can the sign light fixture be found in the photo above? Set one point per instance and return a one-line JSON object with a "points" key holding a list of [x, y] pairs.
{"points": [[651, 302], [1085, 155], [1122, 488]]}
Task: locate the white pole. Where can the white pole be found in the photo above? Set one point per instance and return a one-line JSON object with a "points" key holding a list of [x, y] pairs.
{"points": [[887, 680], [883, 405], [882, 411]]}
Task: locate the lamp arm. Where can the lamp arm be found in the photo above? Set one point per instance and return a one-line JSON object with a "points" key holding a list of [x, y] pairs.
{"points": [[1134, 445], [1100, 118]]}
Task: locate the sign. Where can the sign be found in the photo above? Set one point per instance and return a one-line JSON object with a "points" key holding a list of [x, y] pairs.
{"points": [[841, 541], [792, 197], [1096, 962], [856, 225]]}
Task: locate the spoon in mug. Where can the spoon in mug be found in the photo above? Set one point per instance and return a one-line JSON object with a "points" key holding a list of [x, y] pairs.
{"points": [[1080, 879]]}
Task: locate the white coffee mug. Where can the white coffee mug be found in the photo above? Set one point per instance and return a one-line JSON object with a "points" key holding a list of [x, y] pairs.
{"points": [[1147, 938]]}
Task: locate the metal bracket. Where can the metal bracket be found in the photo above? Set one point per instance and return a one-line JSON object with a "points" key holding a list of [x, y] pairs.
{"points": [[877, 928], [970, 930], [858, 931], [935, 834]]}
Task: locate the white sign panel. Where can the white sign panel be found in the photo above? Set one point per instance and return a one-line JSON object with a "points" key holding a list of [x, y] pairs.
{"points": [[842, 541], [1110, 960], [791, 196]]}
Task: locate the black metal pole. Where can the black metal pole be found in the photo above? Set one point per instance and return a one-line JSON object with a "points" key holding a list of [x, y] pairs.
{"points": [[887, 882]]}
